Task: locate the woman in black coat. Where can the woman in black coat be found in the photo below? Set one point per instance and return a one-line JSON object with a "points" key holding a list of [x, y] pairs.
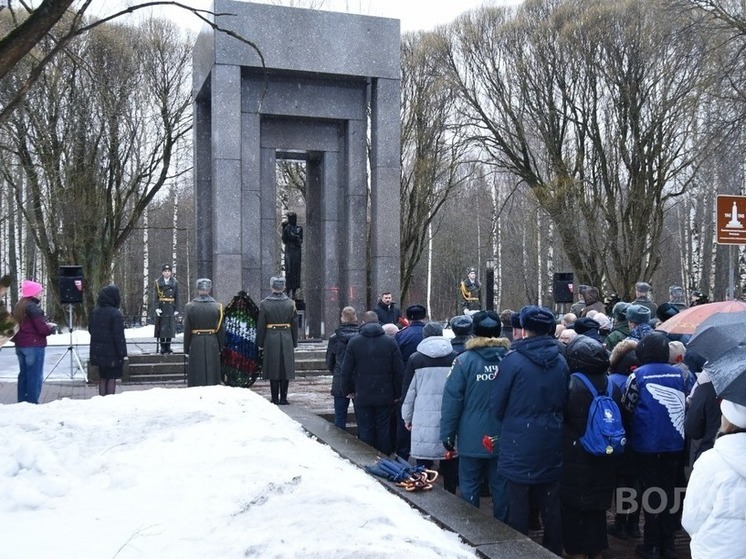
{"points": [[588, 481], [108, 346]]}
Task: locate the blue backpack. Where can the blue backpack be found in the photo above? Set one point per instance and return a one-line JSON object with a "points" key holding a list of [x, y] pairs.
{"points": [[604, 433]]}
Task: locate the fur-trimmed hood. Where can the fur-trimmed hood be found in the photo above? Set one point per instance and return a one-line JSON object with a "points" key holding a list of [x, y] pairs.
{"points": [[479, 341], [623, 357]]}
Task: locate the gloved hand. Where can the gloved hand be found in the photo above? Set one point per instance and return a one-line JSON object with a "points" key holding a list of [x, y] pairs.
{"points": [[158, 312], [449, 445], [176, 313]]}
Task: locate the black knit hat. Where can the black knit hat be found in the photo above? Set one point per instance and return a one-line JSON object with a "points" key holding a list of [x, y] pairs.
{"points": [[653, 348], [585, 324], [666, 311]]}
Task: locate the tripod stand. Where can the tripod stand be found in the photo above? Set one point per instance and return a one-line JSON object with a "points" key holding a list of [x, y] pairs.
{"points": [[75, 363]]}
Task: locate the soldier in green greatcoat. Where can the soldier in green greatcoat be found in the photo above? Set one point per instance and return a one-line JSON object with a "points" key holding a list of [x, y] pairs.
{"points": [[204, 336], [277, 336]]}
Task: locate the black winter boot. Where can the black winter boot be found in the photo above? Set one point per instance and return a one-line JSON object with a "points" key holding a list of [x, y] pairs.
{"points": [[284, 392], [274, 388]]}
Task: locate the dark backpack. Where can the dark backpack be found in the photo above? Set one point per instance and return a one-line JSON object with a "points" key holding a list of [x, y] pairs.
{"points": [[604, 433]]}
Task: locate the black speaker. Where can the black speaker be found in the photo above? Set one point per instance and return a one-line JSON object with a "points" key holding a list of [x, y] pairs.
{"points": [[563, 287], [71, 284]]}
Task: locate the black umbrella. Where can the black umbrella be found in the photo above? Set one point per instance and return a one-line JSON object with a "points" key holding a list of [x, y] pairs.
{"points": [[718, 334], [728, 374]]}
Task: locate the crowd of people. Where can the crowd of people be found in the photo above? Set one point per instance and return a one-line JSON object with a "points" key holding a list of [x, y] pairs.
{"points": [[509, 404]]}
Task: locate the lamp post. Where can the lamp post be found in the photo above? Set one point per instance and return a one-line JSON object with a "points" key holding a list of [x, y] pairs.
{"points": [[490, 299]]}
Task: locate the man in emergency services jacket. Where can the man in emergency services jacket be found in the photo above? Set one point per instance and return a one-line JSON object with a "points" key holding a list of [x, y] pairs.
{"points": [[654, 396], [466, 418]]}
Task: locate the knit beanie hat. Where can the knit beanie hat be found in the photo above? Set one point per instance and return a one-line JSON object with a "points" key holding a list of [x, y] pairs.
{"points": [[652, 348], [666, 311], [603, 321], [538, 320], [30, 288], [432, 329], [487, 324], [585, 324], [638, 314]]}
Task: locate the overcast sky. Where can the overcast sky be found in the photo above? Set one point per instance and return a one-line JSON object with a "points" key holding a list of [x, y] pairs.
{"points": [[414, 14]]}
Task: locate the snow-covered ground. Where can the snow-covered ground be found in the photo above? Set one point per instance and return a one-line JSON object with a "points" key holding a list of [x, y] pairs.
{"points": [[83, 338], [191, 473]]}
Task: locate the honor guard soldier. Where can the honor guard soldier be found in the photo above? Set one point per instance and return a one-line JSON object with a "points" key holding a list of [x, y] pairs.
{"points": [[277, 336], [166, 303], [469, 290]]}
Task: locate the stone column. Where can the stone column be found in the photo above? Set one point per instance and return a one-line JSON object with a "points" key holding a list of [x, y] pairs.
{"points": [[253, 281], [385, 187], [203, 185], [226, 180], [356, 211]]}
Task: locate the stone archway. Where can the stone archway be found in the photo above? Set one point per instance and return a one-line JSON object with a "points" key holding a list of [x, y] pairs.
{"points": [[330, 89]]}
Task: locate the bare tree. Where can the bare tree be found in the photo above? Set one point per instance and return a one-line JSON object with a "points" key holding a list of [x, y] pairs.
{"points": [[96, 141], [731, 13], [55, 20], [593, 104], [432, 152]]}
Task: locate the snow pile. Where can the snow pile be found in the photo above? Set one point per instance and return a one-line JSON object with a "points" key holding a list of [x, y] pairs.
{"points": [[193, 473]]}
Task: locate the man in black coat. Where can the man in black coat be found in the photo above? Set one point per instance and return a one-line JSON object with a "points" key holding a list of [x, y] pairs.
{"points": [[372, 374], [335, 353], [386, 309]]}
